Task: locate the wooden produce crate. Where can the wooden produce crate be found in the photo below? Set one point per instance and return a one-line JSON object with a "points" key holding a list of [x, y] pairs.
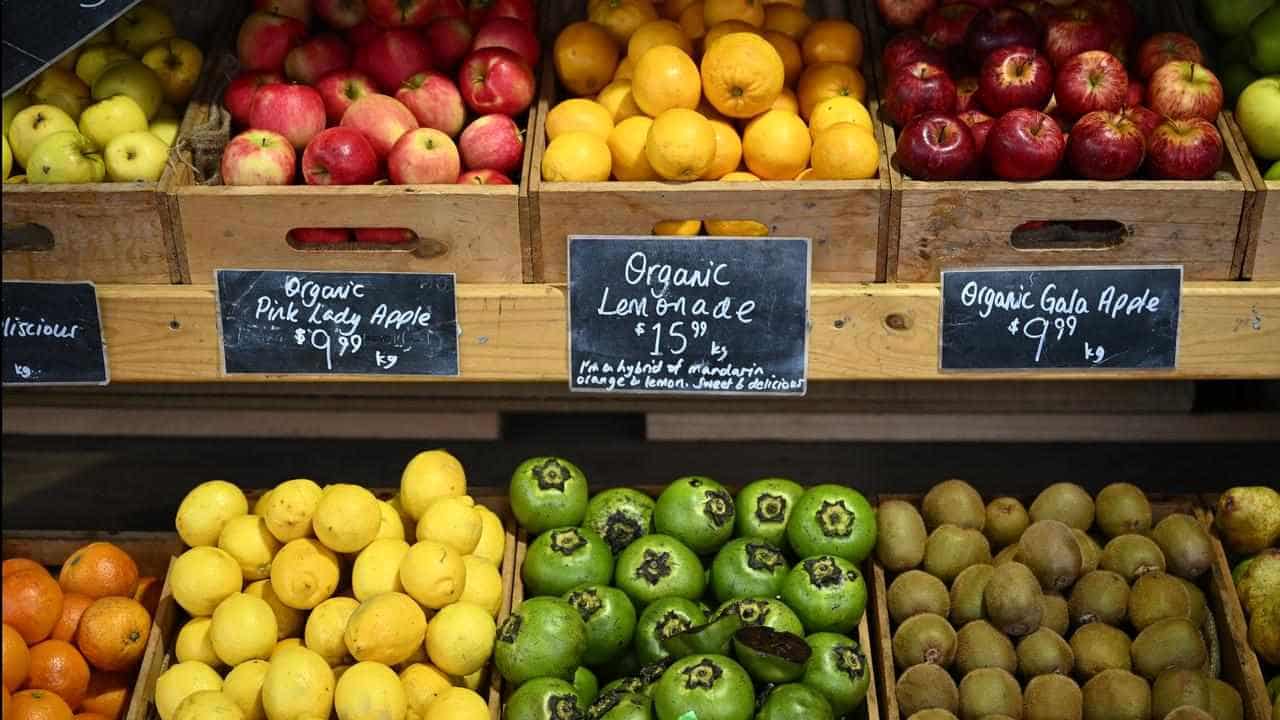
{"points": [[152, 551], [1224, 607], [847, 220], [1260, 229], [108, 232]]}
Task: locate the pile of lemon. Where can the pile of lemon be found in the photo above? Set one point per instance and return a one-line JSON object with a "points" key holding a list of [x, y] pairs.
{"points": [[318, 603]]}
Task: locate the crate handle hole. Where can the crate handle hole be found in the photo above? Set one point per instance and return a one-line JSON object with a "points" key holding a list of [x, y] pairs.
{"points": [[27, 237], [364, 240], [1039, 235], [719, 228]]}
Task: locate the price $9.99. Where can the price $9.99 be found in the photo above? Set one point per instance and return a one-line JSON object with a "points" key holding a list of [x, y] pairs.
{"points": [[320, 339]]}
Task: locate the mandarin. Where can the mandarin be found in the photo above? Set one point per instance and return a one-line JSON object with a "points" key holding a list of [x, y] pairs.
{"points": [[73, 606], [585, 57], [38, 705], [32, 603], [58, 667], [113, 633], [108, 694], [838, 41], [99, 570], [16, 659]]}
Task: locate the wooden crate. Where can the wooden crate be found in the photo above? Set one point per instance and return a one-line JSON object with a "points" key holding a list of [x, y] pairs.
{"points": [[107, 232], [845, 219], [1219, 593], [1260, 230]]}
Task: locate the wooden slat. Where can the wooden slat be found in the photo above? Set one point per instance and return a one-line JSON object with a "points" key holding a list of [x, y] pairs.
{"points": [[1260, 227]]}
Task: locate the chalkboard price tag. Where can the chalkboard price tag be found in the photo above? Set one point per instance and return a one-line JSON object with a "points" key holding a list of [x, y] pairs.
{"points": [[53, 334], [38, 33], [724, 316], [282, 322], [1077, 318]]}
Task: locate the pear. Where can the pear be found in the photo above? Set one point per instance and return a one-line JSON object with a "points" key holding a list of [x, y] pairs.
{"points": [[1264, 630], [1260, 580], [1248, 518]]}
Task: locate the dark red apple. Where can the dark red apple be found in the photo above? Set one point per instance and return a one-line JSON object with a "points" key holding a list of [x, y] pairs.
{"points": [[936, 146], [483, 177], [320, 236], [1119, 16], [1136, 93], [980, 4], [1093, 80], [392, 57], [917, 89], [1105, 146], [1164, 48], [341, 14], [482, 11], [908, 47], [1069, 35], [1015, 77], [265, 39], [967, 94], [979, 124], [947, 26], [1183, 90], [450, 41], [1038, 10], [450, 9], [399, 13], [385, 236], [496, 80], [1145, 118], [1025, 145], [509, 33], [363, 34], [238, 99], [339, 156], [1184, 150], [904, 13], [1001, 27]]}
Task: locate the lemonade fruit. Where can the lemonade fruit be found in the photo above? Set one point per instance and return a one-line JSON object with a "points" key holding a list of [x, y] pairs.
{"points": [[460, 638], [260, 505], [377, 568], [175, 684], [691, 21], [786, 19], [626, 146], [832, 41], [244, 686], [483, 586], [289, 621], [347, 518], [737, 228], [585, 57], [422, 685], [626, 69], [392, 526], [370, 691], [452, 521], [202, 577], [681, 145], [747, 11], [193, 643], [248, 539], [665, 78], [835, 110], [208, 705], [655, 33], [387, 628], [728, 151], [619, 101], [776, 145], [433, 574], [579, 114], [577, 157], [326, 627], [285, 644], [684, 228], [430, 474], [789, 52], [827, 80], [719, 31], [290, 507], [298, 685], [457, 704], [621, 18], [845, 152], [492, 546], [206, 509], [243, 628], [304, 574]]}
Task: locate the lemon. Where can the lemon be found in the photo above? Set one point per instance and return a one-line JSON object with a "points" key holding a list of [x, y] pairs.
{"points": [[288, 511], [288, 620], [577, 157], [678, 227], [260, 505], [285, 644], [347, 518], [838, 109], [175, 684], [728, 151], [206, 509], [460, 638], [298, 686], [430, 474], [433, 574], [492, 545], [681, 144], [304, 573], [325, 628], [247, 539], [193, 643], [244, 686], [626, 145], [202, 577], [422, 684], [392, 527], [377, 568], [370, 691], [244, 628], [452, 522], [655, 33], [483, 586], [208, 705], [579, 114], [457, 704], [617, 97], [845, 151], [665, 77], [386, 628]]}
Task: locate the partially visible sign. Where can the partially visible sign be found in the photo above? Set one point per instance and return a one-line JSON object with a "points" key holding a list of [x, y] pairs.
{"points": [[53, 334], [38, 33]]}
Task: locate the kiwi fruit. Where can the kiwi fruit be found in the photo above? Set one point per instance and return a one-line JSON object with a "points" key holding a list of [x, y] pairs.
{"points": [[1122, 508], [926, 686], [924, 638], [1097, 648], [1101, 596], [1175, 688], [1052, 697], [980, 645], [1188, 552], [1067, 503], [1050, 550], [914, 592], [1044, 652], [1116, 695], [953, 502], [1225, 702], [989, 691], [1199, 606], [1055, 615], [901, 536], [1090, 551], [1012, 600], [1131, 555], [933, 714], [1188, 712], [1156, 596], [1168, 644], [951, 548], [1006, 521], [966, 594], [1009, 554]]}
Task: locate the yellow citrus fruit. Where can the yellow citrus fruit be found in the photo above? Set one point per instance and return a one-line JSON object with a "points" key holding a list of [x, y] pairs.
{"points": [[737, 228], [285, 644], [347, 518], [422, 685], [206, 509], [742, 75], [304, 573], [728, 151], [377, 568], [193, 643], [681, 145], [386, 628], [786, 101], [460, 638], [665, 78], [260, 505], [806, 174], [484, 585], [370, 691], [626, 69], [433, 574], [827, 80], [175, 684], [786, 19], [585, 57], [748, 11], [492, 547], [678, 227], [327, 627], [575, 157], [244, 628], [626, 146], [392, 527], [202, 577], [419, 653], [208, 705], [451, 521], [298, 686], [836, 110], [671, 9], [789, 52], [835, 41], [289, 620], [457, 704], [776, 145], [247, 539], [656, 33], [289, 510], [619, 101], [691, 21], [579, 114], [621, 18], [244, 686], [430, 474], [729, 27]]}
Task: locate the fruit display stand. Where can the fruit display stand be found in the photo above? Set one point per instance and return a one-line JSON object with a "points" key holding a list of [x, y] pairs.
{"points": [[1260, 229]]}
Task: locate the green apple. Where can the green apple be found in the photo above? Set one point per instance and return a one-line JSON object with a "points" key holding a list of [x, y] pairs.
{"points": [[66, 157], [1264, 37], [1229, 18], [141, 29], [166, 130], [136, 157], [132, 78], [8, 158], [1235, 78], [12, 105], [1258, 112], [97, 58], [34, 124], [111, 118], [177, 63], [1274, 172], [62, 89]]}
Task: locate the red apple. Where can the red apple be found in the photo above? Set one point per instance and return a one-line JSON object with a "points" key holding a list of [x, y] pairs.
{"points": [[1038, 10], [1119, 15], [1182, 90], [1064, 120], [980, 4], [482, 11], [1025, 145], [1015, 77], [392, 57], [496, 80], [300, 9], [435, 101], [908, 47], [450, 9], [917, 89], [1164, 48], [967, 94], [450, 41], [509, 33], [363, 33], [483, 177], [1105, 146], [1145, 118], [385, 236], [294, 111], [424, 156], [258, 157], [492, 142], [1093, 80], [1120, 49], [382, 119], [265, 39], [339, 89], [1184, 150], [1001, 27], [904, 13], [339, 156], [979, 124], [947, 26], [1136, 93], [341, 14], [238, 99], [936, 146], [316, 58], [320, 236], [1069, 35], [399, 13]]}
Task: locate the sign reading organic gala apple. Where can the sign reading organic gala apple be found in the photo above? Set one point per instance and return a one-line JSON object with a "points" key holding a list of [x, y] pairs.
{"points": [[53, 334]]}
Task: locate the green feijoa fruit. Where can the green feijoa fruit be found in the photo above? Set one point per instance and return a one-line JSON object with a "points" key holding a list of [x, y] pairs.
{"points": [[792, 701], [620, 705], [713, 638], [544, 699], [748, 567], [763, 508], [586, 684], [766, 611], [658, 566], [543, 637], [711, 687], [619, 516], [561, 559], [838, 670], [663, 619], [610, 619], [548, 492], [697, 511], [827, 593], [770, 656], [832, 520]]}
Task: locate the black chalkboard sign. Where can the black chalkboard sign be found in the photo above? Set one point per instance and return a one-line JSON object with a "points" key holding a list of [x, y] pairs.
{"points": [[688, 315], [281, 322], [1108, 318], [38, 32], [53, 334]]}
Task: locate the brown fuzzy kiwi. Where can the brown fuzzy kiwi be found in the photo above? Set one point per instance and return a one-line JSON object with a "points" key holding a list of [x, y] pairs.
{"points": [[902, 536], [1098, 648], [1122, 509], [924, 638], [966, 594], [1188, 551], [1116, 695], [1167, 644], [1131, 555], [914, 592], [1178, 687], [1055, 615], [1065, 502], [980, 645], [1199, 605], [1156, 596], [1052, 697], [951, 548], [1006, 521], [1188, 712], [1009, 554], [990, 691], [1012, 600], [926, 686], [1050, 549], [953, 502], [1090, 551], [1044, 652], [1101, 596], [1225, 702]]}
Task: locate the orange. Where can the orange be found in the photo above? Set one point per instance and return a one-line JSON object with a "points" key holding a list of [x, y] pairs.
{"points": [[789, 51], [678, 227], [845, 151], [32, 603], [73, 606], [681, 144], [626, 146], [671, 9], [58, 667], [728, 151], [655, 33], [113, 633], [839, 109], [691, 21], [13, 565], [148, 593], [90, 716], [579, 114], [786, 19], [621, 17], [99, 570], [576, 156], [837, 41], [38, 705], [585, 57], [108, 694], [718, 11], [737, 228], [665, 78], [776, 145], [618, 99], [626, 69], [728, 27], [827, 80], [742, 75], [786, 101], [15, 657]]}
